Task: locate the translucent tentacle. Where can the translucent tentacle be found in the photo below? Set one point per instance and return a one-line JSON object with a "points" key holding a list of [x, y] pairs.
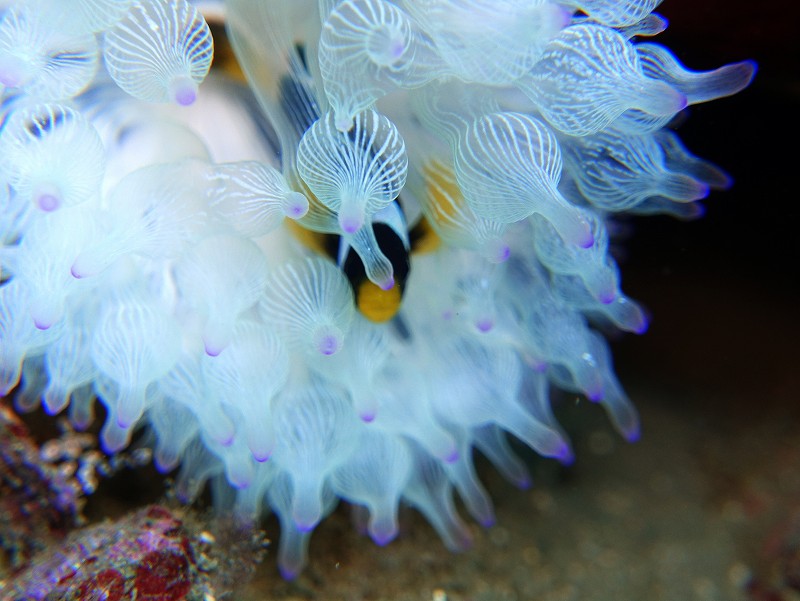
{"points": [[53, 156], [355, 173], [160, 51], [311, 303], [589, 76], [367, 49], [508, 166], [659, 63]]}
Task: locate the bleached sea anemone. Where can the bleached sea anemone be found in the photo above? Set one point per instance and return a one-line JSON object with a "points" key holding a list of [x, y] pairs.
{"points": [[365, 245]]}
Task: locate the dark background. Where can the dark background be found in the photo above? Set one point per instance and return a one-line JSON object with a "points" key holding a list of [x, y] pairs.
{"points": [[723, 290]]}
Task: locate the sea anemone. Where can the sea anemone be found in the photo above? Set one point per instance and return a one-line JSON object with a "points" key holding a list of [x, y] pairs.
{"points": [[367, 243]]}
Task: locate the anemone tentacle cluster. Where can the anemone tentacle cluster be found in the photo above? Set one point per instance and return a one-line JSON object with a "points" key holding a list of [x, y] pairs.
{"points": [[155, 217]]}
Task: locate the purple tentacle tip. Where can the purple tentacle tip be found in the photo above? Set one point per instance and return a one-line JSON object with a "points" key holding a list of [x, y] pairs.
{"points": [[383, 538], [328, 345], [607, 297], [565, 455], [212, 350], [48, 202], [288, 573], [185, 96], [484, 324], [634, 434], [525, 483], [489, 521], [452, 457], [42, 324]]}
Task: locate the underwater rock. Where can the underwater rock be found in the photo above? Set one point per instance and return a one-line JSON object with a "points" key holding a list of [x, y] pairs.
{"points": [[40, 493], [153, 554]]}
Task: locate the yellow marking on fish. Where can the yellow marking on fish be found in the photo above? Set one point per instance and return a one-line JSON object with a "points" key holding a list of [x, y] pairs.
{"points": [[424, 238], [225, 60], [376, 304], [444, 199]]}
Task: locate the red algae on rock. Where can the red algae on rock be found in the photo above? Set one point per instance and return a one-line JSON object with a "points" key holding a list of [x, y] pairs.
{"points": [[163, 576], [108, 585], [153, 554]]}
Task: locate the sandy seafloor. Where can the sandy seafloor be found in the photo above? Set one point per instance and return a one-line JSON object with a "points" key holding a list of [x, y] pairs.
{"points": [[707, 503]]}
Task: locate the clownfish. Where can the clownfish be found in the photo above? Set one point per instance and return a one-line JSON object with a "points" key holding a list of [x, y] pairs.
{"points": [[394, 238]]}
